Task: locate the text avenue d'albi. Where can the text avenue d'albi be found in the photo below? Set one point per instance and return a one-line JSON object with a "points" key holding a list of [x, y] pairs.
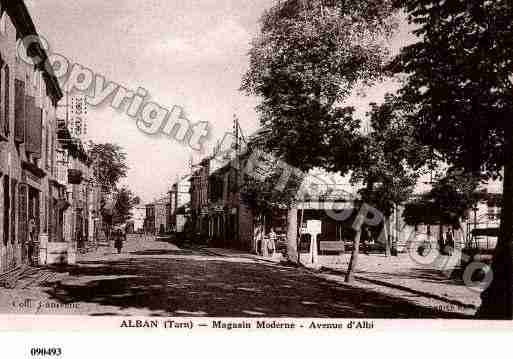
{"points": [[244, 324]]}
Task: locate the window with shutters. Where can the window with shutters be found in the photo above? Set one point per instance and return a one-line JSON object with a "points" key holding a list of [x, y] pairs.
{"points": [[33, 127], [7, 102], [3, 120], [4, 102], [19, 110]]}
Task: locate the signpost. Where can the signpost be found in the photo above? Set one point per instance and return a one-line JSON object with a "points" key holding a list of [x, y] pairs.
{"points": [[314, 228]]}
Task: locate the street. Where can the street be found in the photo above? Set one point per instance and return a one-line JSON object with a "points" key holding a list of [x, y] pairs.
{"points": [[156, 278]]}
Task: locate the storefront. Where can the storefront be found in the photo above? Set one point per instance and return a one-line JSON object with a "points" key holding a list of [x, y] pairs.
{"points": [[30, 215]]}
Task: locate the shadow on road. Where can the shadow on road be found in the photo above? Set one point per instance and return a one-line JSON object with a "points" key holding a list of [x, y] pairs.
{"points": [[188, 286], [152, 252]]}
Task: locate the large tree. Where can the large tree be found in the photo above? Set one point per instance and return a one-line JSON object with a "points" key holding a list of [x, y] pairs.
{"points": [[108, 163], [459, 78], [308, 58], [390, 161]]}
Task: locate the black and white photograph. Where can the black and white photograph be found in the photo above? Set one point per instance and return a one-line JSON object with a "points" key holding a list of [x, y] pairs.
{"points": [[239, 165]]}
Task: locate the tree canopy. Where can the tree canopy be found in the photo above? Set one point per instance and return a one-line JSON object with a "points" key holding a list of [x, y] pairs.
{"points": [[308, 58], [390, 159], [108, 163], [458, 77]]}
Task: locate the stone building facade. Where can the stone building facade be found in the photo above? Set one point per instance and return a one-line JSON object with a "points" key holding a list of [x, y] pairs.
{"points": [[220, 215], [179, 203], [29, 189]]}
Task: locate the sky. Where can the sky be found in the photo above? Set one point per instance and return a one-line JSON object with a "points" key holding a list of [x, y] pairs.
{"points": [[190, 53]]}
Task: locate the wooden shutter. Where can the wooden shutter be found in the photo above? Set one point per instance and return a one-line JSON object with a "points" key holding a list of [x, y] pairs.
{"points": [[19, 110], [3, 125], [33, 127], [7, 101]]}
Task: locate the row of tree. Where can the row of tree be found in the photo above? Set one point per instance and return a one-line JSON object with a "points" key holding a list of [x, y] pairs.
{"points": [[454, 104]]}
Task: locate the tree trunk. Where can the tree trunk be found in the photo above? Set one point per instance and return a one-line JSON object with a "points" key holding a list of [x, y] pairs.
{"points": [[299, 235], [440, 236], [357, 226], [497, 299], [292, 246], [396, 231], [386, 231], [354, 256]]}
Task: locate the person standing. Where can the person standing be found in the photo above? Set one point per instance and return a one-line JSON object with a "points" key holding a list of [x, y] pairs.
{"points": [[442, 242], [119, 237], [271, 243], [449, 244], [31, 240]]}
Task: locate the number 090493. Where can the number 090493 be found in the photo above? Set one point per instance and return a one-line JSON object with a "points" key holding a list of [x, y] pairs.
{"points": [[55, 352]]}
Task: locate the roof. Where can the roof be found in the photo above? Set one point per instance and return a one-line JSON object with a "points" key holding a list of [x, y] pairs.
{"points": [[161, 201], [24, 25]]}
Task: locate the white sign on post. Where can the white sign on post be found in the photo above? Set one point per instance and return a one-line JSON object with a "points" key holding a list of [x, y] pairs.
{"points": [[313, 225], [314, 228]]}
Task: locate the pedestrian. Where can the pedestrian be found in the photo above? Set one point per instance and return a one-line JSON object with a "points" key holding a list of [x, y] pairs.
{"points": [[119, 237], [442, 242], [271, 243], [31, 240], [449, 245]]}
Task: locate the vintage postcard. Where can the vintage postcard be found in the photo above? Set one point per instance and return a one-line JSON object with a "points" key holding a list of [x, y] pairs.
{"points": [[298, 166]]}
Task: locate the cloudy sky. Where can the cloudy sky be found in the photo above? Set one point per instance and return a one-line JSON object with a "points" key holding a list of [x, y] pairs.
{"points": [[190, 53]]}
